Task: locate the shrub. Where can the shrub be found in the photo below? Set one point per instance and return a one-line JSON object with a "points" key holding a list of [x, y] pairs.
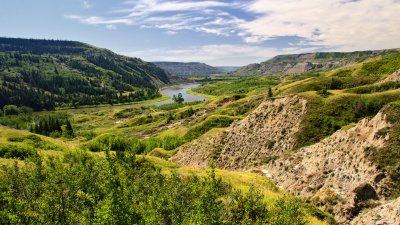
{"points": [[81, 189], [10, 110], [16, 151], [110, 143], [212, 122]]}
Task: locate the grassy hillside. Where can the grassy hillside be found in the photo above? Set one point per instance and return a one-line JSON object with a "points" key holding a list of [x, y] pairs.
{"points": [[309, 62], [45, 74]]}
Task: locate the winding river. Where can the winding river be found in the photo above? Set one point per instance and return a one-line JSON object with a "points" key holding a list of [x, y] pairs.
{"points": [[168, 91], [175, 90]]}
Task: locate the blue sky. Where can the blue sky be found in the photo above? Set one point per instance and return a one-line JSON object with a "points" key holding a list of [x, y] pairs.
{"points": [[217, 32]]}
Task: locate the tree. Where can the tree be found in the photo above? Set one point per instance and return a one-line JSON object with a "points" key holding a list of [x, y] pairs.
{"points": [[178, 98], [270, 93], [69, 131], [10, 110]]}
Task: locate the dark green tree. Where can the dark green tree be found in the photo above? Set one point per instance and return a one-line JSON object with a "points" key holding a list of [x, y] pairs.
{"points": [[178, 98], [270, 94], [69, 131]]}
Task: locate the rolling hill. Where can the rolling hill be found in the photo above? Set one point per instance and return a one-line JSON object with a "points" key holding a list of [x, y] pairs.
{"points": [[44, 74], [309, 62], [188, 69]]}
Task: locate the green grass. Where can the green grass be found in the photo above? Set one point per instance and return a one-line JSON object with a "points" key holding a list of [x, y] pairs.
{"points": [[210, 97], [208, 124], [241, 86], [159, 99], [327, 115]]}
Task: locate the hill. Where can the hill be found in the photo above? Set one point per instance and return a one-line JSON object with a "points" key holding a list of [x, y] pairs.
{"points": [[330, 137], [228, 68], [188, 69], [44, 74], [301, 63]]}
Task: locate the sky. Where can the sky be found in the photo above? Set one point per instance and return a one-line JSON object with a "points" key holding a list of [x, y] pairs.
{"points": [[216, 32]]}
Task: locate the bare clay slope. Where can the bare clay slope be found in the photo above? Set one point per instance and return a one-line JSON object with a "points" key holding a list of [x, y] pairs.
{"points": [[388, 213], [337, 168], [337, 173], [267, 132]]}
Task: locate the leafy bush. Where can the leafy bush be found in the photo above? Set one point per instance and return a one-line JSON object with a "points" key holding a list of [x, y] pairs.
{"points": [[87, 134], [212, 122], [110, 143], [35, 142], [16, 151], [123, 190]]}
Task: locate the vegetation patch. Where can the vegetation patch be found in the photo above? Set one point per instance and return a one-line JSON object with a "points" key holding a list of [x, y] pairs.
{"points": [[210, 123], [324, 117], [241, 86], [15, 151], [375, 88], [123, 190]]}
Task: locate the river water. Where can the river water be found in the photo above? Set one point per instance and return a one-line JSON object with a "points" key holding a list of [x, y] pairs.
{"points": [[175, 90], [169, 91]]}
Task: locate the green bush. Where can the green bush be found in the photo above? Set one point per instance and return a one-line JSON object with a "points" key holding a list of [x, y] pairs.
{"points": [[212, 122], [16, 151], [110, 143], [87, 134], [119, 189], [35, 142]]}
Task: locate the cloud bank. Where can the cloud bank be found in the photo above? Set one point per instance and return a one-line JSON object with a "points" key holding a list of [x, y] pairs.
{"points": [[334, 25]]}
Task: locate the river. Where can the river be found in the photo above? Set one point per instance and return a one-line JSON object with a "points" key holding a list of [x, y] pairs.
{"points": [[175, 90], [168, 91]]}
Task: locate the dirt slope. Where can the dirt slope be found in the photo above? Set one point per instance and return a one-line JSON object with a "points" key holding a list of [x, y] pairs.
{"points": [[336, 169]]}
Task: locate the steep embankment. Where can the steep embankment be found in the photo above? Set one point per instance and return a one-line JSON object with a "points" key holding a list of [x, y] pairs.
{"points": [[388, 213], [268, 131], [336, 170], [301, 63], [342, 173]]}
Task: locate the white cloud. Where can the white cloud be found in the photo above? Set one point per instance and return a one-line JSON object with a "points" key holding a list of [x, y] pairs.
{"points": [[208, 16], [336, 24], [171, 32], [146, 7], [94, 20]]}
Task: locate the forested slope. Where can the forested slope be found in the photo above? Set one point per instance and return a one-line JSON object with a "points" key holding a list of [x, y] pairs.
{"points": [[44, 74]]}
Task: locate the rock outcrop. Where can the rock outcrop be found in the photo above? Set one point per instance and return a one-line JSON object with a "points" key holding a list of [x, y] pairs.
{"points": [[267, 132], [385, 214], [335, 173], [392, 78], [337, 165], [200, 152]]}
